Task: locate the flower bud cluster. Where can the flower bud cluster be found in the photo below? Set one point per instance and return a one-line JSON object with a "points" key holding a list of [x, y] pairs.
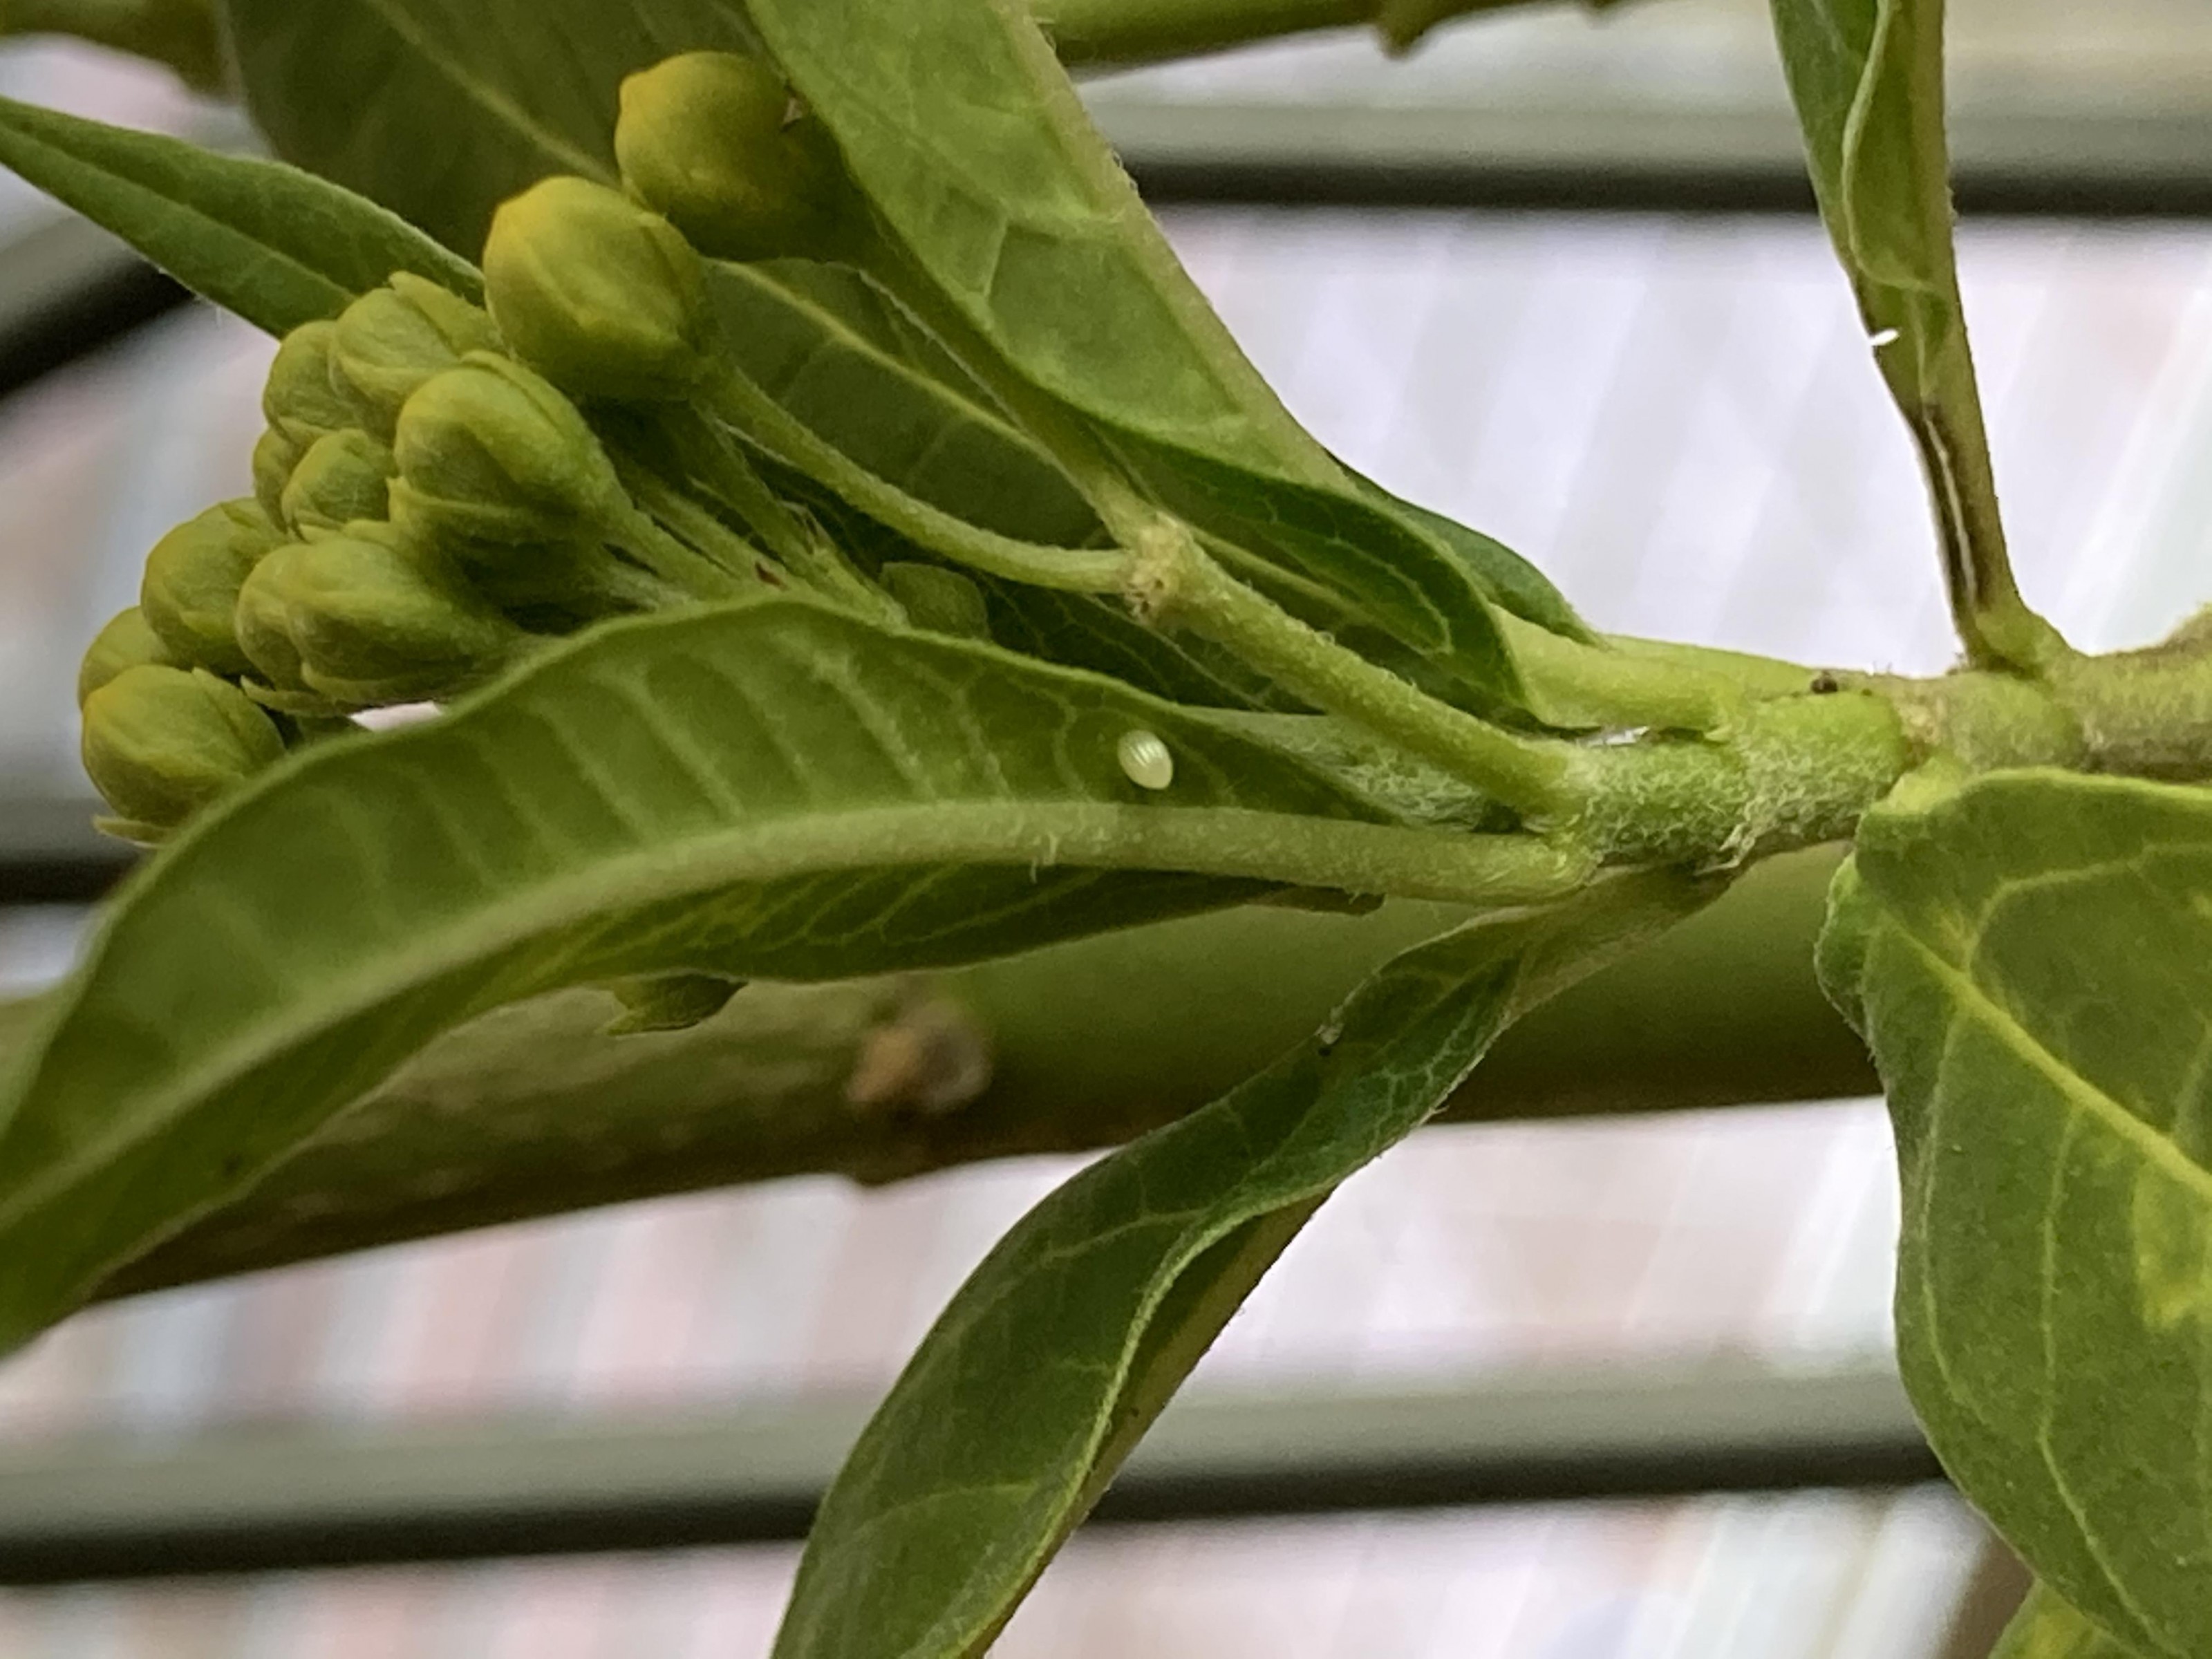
{"points": [[427, 496], [423, 505]]}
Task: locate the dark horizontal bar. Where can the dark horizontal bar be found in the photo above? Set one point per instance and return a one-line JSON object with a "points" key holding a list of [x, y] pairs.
{"points": [[1753, 190], [49, 854], [68, 289], [254, 1501]]}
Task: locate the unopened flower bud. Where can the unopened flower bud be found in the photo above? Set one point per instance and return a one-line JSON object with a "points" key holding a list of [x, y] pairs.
{"points": [[303, 398], [275, 455], [601, 296], [126, 642], [343, 475], [391, 339], [263, 624], [714, 141], [191, 581], [371, 621], [489, 452], [160, 742]]}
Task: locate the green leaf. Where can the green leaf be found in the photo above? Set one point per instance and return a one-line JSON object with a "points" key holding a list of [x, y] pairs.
{"points": [[970, 143], [1368, 566], [1506, 579], [441, 111], [1867, 76], [2030, 958], [2046, 1628], [1064, 1345], [777, 790], [275, 246], [1023, 244], [828, 347]]}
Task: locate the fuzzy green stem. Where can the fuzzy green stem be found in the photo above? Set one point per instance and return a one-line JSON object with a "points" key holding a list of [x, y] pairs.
{"points": [[722, 468], [676, 562], [676, 511], [736, 399], [1144, 31], [1791, 772], [1175, 584]]}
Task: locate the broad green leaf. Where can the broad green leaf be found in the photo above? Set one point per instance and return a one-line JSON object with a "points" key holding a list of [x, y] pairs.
{"points": [[441, 111], [1065, 1344], [2029, 956], [828, 347], [2046, 1628], [275, 246], [970, 143], [973, 149], [1867, 76], [775, 790]]}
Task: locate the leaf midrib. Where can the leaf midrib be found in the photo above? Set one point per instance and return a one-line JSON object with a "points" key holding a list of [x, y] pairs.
{"points": [[1196, 841], [495, 103], [2071, 1084]]}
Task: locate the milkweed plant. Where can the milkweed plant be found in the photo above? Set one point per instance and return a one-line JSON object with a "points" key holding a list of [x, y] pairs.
{"points": [[895, 686]]}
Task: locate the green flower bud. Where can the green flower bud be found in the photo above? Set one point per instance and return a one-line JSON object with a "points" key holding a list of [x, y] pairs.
{"points": [[712, 141], [262, 622], [192, 578], [369, 621], [160, 742], [126, 642], [275, 455], [303, 398], [490, 453], [599, 295], [392, 339], [344, 476]]}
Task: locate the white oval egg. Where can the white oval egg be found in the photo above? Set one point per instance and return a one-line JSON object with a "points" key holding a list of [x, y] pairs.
{"points": [[1146, 760]]}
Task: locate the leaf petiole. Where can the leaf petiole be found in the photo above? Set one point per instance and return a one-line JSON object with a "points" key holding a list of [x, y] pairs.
{"points": [[735, 398], [1174, 583]]}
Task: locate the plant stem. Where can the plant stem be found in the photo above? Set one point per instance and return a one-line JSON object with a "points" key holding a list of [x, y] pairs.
{"points": [[1175, 584], [1723, 1009], [737, 399], [673, 560], [1085, 31]]}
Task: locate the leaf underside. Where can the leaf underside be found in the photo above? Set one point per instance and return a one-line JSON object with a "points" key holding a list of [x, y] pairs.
{"points": [[2030, 959], [1069, 1338], [772, 791]]}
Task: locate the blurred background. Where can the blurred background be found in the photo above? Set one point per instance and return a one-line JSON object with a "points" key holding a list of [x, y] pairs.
{"points": [[1558, 278]]}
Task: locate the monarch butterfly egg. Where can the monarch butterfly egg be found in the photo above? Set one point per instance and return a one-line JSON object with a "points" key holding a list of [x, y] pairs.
{"points": [[1146, 760]]}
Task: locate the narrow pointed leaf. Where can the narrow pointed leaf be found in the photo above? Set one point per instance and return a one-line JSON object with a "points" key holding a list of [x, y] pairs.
{"points": [[2030, 958], [274, 245], [771, 790], [1065, 1344], [1867, 76]]}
